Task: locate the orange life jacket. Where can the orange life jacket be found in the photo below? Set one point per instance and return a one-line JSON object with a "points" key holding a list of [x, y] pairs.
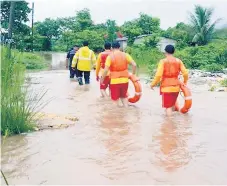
{"points": [[104, 55], [171, 71], [119, 65]]}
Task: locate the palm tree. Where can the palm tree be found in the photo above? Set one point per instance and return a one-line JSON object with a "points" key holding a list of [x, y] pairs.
{"points": [[201, 24]]}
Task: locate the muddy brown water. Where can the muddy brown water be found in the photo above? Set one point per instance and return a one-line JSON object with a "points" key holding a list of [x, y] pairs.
{"points": [[138, 145]]}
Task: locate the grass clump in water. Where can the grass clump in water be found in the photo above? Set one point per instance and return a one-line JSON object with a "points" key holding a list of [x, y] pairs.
{"points": [[18, 105]]}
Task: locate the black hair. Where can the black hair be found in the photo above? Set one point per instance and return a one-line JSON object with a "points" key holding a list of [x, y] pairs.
{"points": [[76, 46], [107, 46], [116, 45], [170, 49], [85, 43]]}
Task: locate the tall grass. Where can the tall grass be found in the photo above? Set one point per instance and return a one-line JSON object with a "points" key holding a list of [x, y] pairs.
{"points": [[18, 105]]}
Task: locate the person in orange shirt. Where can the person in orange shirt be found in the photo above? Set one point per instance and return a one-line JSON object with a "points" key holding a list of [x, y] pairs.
{"points": [[168, 71], [100, 65], [117, 63]]}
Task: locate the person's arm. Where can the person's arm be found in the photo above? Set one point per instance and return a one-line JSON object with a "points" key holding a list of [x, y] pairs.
{"points": [[158, 75], [98, 66], [75, 60], [106, 70], [67, 60], [93, 59], [184, 72], [131, 62]]}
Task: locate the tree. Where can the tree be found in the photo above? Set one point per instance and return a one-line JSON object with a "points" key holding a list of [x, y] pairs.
{"points": [[111, 30], [148, 24], [131, 30], [95, 39], [145, 24], [152, 41], [182, 33], [67, 24], [100, 28], [48, 28], [21, 12], [201, 23], [83, 18]]}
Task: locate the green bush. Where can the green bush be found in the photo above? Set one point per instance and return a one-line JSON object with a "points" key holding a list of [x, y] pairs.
{"points": [[33, 61], [210, 57], [152, 41], [17, 104], [214, 68], [144, 55]]}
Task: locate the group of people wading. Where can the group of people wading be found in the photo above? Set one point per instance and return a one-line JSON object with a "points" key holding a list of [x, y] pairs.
{"points": [[112, 72]]}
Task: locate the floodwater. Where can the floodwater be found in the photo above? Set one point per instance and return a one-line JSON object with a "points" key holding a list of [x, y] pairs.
{"points": [[107, 145]]}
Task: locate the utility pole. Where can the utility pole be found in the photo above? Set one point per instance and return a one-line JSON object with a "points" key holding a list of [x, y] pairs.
{"points": [[32, 24], [10, 28], [11, 16]]}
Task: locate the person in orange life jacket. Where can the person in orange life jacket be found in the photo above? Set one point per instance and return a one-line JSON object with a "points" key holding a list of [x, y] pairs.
{"points": [[117, 63], [100, 64], [69, 59], [168, 72]]}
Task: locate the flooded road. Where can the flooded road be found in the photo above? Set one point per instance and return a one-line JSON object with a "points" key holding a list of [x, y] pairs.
{"points": [[138, 145]]}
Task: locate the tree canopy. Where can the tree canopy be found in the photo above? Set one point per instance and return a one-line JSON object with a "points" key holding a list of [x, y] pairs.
{"points": [[62, 33], [21, 13], [201, 24]]}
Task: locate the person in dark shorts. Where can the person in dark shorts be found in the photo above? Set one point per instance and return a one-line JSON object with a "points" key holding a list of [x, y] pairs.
{"points": [[69, 59]]}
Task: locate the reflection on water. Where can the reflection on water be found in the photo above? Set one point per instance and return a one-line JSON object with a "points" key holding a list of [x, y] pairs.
{"points": [[107, 145], [173, 144], [118, 127]]}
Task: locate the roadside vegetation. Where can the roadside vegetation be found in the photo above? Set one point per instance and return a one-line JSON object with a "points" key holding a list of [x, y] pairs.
{"points": [[19, 104], [223, 83]]}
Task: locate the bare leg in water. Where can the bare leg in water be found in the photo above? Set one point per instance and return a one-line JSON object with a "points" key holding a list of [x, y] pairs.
{"points": [[169, 111], [125, 102], [117, 103], [103, 93]]}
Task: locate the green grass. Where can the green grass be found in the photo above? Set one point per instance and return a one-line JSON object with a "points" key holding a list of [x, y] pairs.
{"points": [[18, 103], [145, 58], [223, 82], [32, 61]]}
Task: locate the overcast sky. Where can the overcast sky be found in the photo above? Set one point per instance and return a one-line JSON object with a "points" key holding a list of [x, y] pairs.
{"points": [[170, 12]]}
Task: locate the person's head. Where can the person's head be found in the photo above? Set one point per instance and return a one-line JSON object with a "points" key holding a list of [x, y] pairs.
{"points": [[169, 50], [116, 45], [85, 43], [76, 47], [107, 46]]}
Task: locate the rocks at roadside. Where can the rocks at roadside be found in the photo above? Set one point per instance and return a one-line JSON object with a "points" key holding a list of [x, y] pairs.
{"points": [[208, 80], [53, 121], [221, 89], [200, 73]]}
